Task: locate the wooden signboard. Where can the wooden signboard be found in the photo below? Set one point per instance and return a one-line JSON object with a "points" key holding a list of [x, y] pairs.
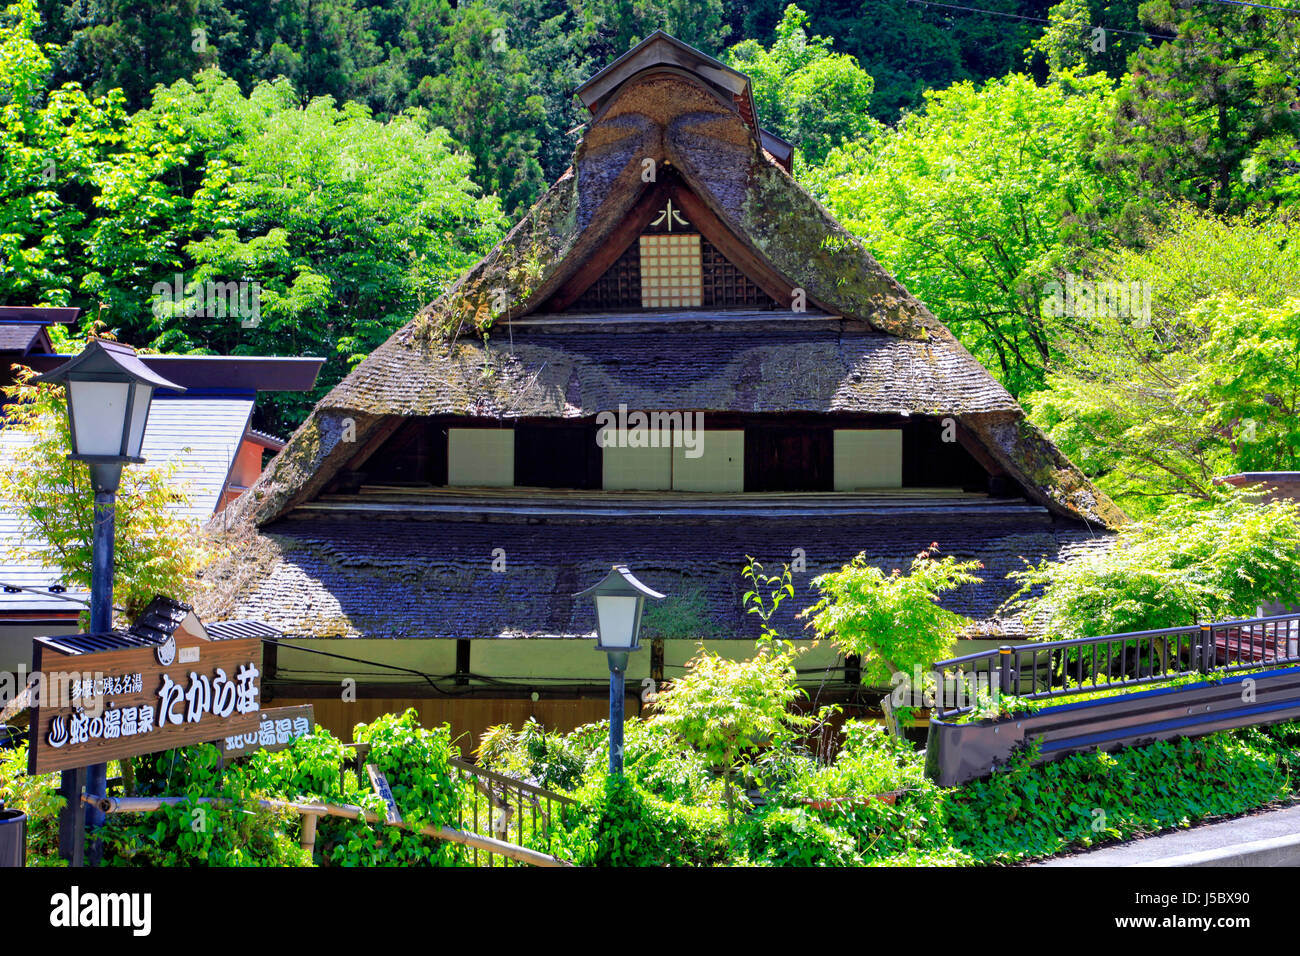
{"points": [[279, 727], [132, 697]]}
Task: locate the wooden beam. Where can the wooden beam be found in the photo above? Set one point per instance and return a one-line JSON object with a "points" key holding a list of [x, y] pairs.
{"points": [[615, 244], [777, 286]]}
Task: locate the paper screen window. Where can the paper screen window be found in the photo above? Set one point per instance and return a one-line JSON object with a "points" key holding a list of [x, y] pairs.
{"points": [[670, 272]]}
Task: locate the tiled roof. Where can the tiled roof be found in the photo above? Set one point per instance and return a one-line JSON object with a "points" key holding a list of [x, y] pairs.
{"points": [[21, 572], [576, 372], [202, 434], [18, 337], [394, 576]]}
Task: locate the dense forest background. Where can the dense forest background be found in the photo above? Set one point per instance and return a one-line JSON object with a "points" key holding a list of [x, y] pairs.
{"points": [[1099, 198]]}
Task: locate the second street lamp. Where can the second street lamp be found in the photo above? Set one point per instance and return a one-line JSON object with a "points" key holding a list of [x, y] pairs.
{"points": [[619, 598], [109, 392]]}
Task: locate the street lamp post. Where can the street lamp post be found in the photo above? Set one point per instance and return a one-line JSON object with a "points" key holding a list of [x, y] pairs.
{"points": [[109, 391], [619, 598]]}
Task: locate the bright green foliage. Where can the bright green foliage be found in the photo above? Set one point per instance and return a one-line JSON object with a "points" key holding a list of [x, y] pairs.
{"points": [[1193, 562], [1067, 40], [1250, 391], [870, 761], [619, 824], [348, 225], [1208, 116], [53, 144], [982, 200], [534, 753], [726, 710], [1160, 405], [414, 760], [240, 833], [155, 550], [795, 836], [892, 621], [36, 797], [194, 833], [1092, 798], [814, 98]]}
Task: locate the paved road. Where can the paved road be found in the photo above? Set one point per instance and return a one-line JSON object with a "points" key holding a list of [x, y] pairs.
{"points": [[1271, 838]]}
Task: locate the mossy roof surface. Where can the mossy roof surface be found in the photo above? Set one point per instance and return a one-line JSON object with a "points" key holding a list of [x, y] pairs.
{"points": [[892, 354]]}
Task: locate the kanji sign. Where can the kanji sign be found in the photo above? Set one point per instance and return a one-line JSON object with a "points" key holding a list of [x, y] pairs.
{"points": [[279, 727], [137, 698]]}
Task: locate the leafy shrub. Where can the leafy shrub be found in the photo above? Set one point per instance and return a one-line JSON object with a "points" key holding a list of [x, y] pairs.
{"points": [[309, 769], [543, 757], [619, 824], [1023, 811], [870, 761], [727, 710], [793, 836], [194, 833], [38, 798], [892, 621], [414, 760], [1195, 562]]}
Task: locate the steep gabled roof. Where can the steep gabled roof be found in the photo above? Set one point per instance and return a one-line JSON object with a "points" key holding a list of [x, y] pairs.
{"points": [[661, 119]]}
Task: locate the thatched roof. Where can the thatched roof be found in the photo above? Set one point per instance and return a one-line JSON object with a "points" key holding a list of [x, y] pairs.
{"points": [[875, 349], [340, 570]]}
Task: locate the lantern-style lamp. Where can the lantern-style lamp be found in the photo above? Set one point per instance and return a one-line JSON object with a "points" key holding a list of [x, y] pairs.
{"points": [[109, 392], [620, 599]]}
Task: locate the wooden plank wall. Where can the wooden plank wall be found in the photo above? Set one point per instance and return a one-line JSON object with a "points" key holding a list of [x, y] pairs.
{"points": [[468, 717]]}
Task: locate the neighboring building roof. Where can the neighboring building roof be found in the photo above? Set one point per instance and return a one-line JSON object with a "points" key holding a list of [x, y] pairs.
{"points": [[355, 573], [265, 440], [27, 573], [1275, 484], [231, 373], [39, 314], [202, 435], [19, 337]]}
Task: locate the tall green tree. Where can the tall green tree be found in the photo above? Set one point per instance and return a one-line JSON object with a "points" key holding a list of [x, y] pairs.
{"points": [[813, 97], [347, 225], [1156, 404], [484, 95], [984, 200], [1210, 115]]}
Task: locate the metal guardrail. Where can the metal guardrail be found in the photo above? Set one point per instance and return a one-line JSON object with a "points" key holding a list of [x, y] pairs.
{"points": [[499, 807], [1087, 665]]}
